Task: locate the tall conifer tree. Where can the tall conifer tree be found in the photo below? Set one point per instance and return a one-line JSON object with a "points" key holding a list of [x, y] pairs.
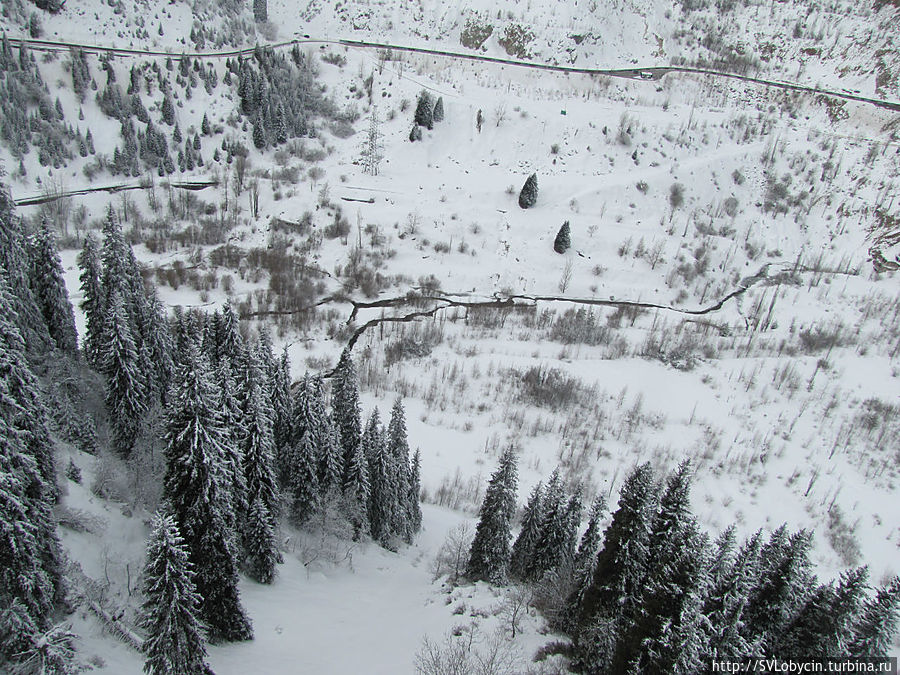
{"points": [[490, 551]]}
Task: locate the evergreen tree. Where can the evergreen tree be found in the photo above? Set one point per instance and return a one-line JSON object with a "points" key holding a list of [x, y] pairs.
{"points": [[24, 311], [168, 110], [260, 10], [523, 548], [727, 598], [49, 288], [356, 492], [196, 487], [824, 625], [330, 462], [563, 240], [545, 553], [380, 489], [424, 116], [345, 408], [590, 540], [280, 398], [124, 378], [260, 544], [234, 432], [398, 457], [529, 192], [438, 113], [304, 479], [619, 570], [876, 627], [256, 444], [415, 489], [784, 583], [490, 551], [204, 126], [174, 644], [415, 134]]}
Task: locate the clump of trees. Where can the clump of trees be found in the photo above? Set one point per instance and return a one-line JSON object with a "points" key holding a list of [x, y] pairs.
{"points": [[652, 593]]}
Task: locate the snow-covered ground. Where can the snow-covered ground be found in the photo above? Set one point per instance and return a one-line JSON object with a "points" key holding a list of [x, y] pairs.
{"points": [[781, 428]]}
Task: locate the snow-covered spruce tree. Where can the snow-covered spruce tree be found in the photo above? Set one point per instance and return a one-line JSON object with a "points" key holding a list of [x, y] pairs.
{"points": [[280, 398], [49, 288], [438, 113], [169, 615], [330, 461], [356, 492], [91, 293], [124, 378], [563, 240], [233, 426], [490, 550], [29, 548], [549, 547], [260, 11], [583, 563], [662, 630], [523, 548], [260, 546], [824, 625], [528, 194], [424, 115], [619, 571], [874, 632], [25, 313], [304, 478], [415, 490], [784, 583], [258, 464], [726, 599], [196, 487], [398, 456], [345, 410], [415, 134], [666, 635], [380, 504], [168, 110]]}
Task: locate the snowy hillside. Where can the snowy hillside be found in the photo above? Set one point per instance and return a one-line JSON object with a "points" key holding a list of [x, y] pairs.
{"points": [[729, 294]]}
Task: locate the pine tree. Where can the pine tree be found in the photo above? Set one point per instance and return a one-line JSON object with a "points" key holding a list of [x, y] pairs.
{"points": [[24, 311], [234, 432], [874, 631], [824, 625], [168, 110], [380, 503], [30, 568], [553, 511], [49, 288], [563, 240], [345, 408], [260, 544], [398, 456], [490, 551], [438, 113], [204, 126], [280, 398], [529, 193], [124, 378], [415, 489], [415, 134], [784, 583], [619, 571], [196, 487], [356, 492], [727, 598], [256, 443], [523, 548], [304, 479], [174, 644], [260, 11], [424, 116]]}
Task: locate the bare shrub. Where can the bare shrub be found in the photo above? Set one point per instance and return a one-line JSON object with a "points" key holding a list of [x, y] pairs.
{"points": [[466, 651], [474, 33], [549, 387], [579, 326], [415, 341], [453, 555], [842, 537]]}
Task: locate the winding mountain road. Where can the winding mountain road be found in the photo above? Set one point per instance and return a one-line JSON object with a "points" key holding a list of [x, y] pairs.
{"points": [[641, 73]]}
